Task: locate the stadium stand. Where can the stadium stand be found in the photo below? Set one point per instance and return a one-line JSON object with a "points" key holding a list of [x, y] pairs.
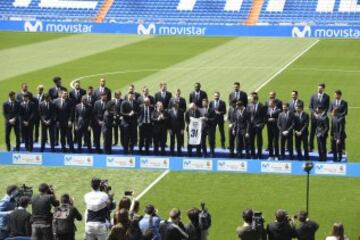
{"points": [[201, 12]]}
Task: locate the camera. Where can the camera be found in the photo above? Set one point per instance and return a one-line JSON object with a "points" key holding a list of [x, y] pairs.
{"points": [[23, 191], [105, 186], [257, 221], [204, 218]]}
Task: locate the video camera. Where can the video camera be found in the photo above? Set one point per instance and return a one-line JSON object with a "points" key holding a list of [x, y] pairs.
{"points": [[23, 191], [105, 186], [204, 218], [257, 221]]}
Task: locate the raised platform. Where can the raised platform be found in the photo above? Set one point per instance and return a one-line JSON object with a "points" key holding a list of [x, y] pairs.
{"points": [[177, 163], [219, 152]]}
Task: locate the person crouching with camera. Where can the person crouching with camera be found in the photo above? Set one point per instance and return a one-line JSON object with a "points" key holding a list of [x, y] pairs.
{"points": [[97, 217], [41, 211], [173, 228], [251, 229], [283, 228], [63, 219]]}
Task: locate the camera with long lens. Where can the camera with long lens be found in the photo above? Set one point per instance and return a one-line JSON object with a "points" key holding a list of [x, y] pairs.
{"points": [[105, 186], [257, 221], [23, 191], [204, 218]]}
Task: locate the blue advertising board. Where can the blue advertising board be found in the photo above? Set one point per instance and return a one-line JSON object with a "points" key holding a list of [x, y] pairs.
{"points": [[177, 163], [305, 31]]}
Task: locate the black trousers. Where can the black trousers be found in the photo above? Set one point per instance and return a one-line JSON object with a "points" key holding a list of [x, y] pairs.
{"points": [[220, 124], [312, 133], [130, 137], [70, 236], [117, 129], [8, 128], [66, 137], [302, 140], [107, 139], [45, 130], [241, 145], [273, 140], [27, 133], [83, 133], [321, 141], [208, 134], [232, 138], [41, 232], [198, 150], [175, 135], [286, 142], [255, 133], [36, 129], [145, 135], [160, 135], [96, 135], [337, 149], [56, 135]]}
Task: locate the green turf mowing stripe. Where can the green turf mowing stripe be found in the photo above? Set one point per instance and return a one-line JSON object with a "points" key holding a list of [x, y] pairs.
{"points": [[32, 57], [15, 39], [76, 182], [332, 199], [248, 60], [335, 63], [154, 53]]}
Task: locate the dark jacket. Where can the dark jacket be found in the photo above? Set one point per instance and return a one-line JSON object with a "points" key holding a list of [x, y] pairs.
{"points": [[54, 92], [64, 113], [342, 107], [142, 97], [11, 110], [256, 116], [47, 112], [165, 100], [315, 103], [338, 128], [210, 116], [280, 231], [176, 121], [293, 104], [142, 116], [322, 126], [221, 108], [98, 111], [27, 112], [301, 124], [41, 208], [241, 121], [159, 124], [76, 97], [107, 91], [126, 108], [83, 115], [170, 231], [181, 100], [286, 122], [247, 233], [191, 113], [306, 230], [197, 100], [242, 96], [20, 223]]}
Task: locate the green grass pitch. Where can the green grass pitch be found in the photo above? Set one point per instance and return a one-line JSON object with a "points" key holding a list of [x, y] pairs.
{"points": [[216, 63]]}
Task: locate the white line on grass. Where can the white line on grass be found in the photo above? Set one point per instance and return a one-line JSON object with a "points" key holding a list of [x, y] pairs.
{"points": [[287, 65], [161, 176]]}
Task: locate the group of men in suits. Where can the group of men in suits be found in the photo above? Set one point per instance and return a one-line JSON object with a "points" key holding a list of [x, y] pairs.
{"points": [[84, 116]]}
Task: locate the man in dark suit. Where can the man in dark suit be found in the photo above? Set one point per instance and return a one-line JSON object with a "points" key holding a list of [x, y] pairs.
{"points": [[54, 91], [146, 94], [163, 95], [98, 114], [129, 110], [159, 118], [117, 117], [37, 99], [11, 112], [238, 95], [306, 228], [64, 120], [208, 117], [198, 95], [145, 126], [272, 97], [338, 134], [83, 116], [107, 127], [240, 130], [295, 101], [27, 110], [90, 96], [20, 220], [286, 127], [322, 129], [176, 128], [318, 99], [231, 117], [132, 91], [76, 94], [102, 90], [342, 106], [281, 229], [24, 90], [219, 106], [301, 129], [178, 98], [272, 115], [256, 112], [192, 112], [47, 112]]}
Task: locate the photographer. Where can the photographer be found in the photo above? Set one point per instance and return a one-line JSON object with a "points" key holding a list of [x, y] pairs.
{"points": [[98, 207], [282, 228], [20, 219], [193, 227], [173, 228], [306, 228], [252, 229], [150, 224], [63, 219], [41, 210], [7, 205]]}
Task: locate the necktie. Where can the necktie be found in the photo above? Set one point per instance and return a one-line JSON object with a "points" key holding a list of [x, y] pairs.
{"points": [[102, 105]]}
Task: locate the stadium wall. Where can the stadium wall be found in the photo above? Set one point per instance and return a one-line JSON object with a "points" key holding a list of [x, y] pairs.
{"points": [[350, 32], [177, 164]]}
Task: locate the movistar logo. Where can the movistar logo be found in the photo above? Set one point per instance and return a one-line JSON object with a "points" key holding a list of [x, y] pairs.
{"points": [[36, 26], [150, 29], [305, 32]]}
